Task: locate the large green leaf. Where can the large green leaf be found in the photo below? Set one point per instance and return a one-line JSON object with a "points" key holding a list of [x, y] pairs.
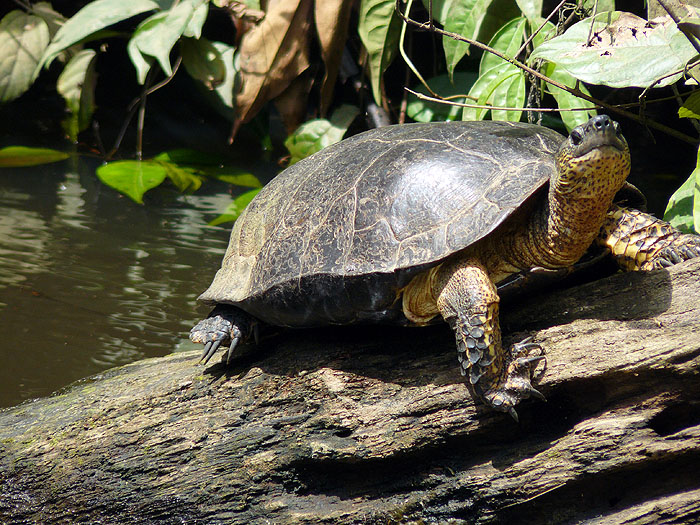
{"points": [[626, 51], [132, 177], [379, 27], [683, 210], [463, 18], [426, 111], [532, 9], [156, 36], [314, 135], [691, 107], [21, 156], [76, 84], [233, 211], [92, 18], [203, 61], [492, 83], [507, 40], [23, 39], [566, 100]]}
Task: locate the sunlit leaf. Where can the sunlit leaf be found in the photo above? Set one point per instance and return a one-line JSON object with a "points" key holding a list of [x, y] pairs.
{"points": [[93, 17], [426, 111], [20, 156], [691, 107], [379, 28], [509, 94], [566, 100], [464, 18], [485, 86], [203, 62], [235, 177], [233, 211], [625, 51], [156, 36], [683, 210], [272, 54], [76, 84], [184, 179], [23, 39], [54, 20], [531, 8], [507, 40], [314, 135], [132, 177]]}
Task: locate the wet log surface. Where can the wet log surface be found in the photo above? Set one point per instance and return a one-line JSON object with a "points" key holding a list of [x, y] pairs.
{"points": [[374, 425]]}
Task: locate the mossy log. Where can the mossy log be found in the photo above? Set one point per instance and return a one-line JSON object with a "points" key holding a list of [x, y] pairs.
{"points": [[374, 425]]}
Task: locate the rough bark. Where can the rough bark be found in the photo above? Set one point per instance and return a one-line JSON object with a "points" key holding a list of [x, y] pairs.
{"points": [[375, 425]]}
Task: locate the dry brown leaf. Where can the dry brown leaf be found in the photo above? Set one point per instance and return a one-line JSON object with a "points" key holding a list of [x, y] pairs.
{"points": [[332, 18], [292, 102], [272, 54]]}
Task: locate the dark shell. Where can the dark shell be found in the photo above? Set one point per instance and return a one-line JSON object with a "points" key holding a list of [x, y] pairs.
{"points": [[336, 234]]}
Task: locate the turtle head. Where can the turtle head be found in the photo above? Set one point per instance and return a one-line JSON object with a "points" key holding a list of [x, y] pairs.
{"points": [[594, 161]]}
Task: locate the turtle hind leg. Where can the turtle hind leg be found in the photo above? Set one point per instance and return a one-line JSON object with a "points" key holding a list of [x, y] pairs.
{"points": [[640, 241], [468, 301], [226, 325]]}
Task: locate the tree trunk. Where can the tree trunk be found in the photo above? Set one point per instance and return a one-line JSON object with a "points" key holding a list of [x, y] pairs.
{"points": [[370, 424]]}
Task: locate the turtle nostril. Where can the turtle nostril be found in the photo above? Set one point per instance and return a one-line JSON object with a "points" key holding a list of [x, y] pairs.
{"points": [[601, 122]]}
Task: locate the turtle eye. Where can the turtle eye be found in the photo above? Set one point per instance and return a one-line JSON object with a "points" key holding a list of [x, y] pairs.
{"points": [[576, 136]]}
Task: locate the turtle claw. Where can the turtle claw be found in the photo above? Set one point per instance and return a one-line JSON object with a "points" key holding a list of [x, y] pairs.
{"points": [[209, 350]]}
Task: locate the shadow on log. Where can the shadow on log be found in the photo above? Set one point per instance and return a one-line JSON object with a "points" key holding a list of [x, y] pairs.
{"points": [[374, 425]]}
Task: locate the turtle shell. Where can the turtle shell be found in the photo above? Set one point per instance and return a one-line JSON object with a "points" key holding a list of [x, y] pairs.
{"points": [[335, 236]]}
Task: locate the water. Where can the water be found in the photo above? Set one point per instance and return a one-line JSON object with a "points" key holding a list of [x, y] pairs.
{"points": [[90, 280]]}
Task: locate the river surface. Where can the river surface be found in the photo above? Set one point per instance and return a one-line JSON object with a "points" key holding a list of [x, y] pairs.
{"points": [[90, 280]]}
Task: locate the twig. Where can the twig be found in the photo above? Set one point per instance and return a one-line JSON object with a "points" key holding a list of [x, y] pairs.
{"points": [[408, 61], [576, 92], [533, 35]]}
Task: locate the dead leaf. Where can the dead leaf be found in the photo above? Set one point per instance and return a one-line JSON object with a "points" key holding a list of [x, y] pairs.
{"points": [[332, 18], [292, 102], [272, 54]]}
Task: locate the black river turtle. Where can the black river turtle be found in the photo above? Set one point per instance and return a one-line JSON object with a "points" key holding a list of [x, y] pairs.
{"points": [[408, 223]]}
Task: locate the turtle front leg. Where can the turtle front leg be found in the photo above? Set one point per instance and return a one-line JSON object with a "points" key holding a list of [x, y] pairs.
{"points": [[468, 301], [226, 325], [640, 241]]}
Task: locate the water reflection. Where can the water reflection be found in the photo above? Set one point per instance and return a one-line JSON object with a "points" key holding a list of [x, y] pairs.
{"points": [[90, 280]]}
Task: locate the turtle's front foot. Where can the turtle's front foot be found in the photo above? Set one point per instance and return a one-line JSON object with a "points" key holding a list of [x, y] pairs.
{"points": [[517, 381], [225, 326], [681, 248]]}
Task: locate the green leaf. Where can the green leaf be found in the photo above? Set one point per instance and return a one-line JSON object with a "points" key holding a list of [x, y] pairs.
{"points": [[691, 106], [314, 135], [566, 100], [76, 84], [21, 156], [626, 51], [379, 29], [489, 84], [511, 94], [225, 89], [184, 179], [92, 18], [53, 19], [425, 111], [156, 36], [507, 40], [236, 177], [233, 211], [133, 178], [23, 39], [683, 209], [532, 9], [465, 19], [203, 61]]}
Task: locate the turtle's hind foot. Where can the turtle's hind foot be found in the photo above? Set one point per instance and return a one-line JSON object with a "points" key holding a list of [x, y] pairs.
{"points": [[682, 248], [225, 326]]}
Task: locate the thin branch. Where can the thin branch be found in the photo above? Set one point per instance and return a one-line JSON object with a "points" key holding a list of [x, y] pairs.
{"points": [[574, 91], [533, 35], [497, 108]]}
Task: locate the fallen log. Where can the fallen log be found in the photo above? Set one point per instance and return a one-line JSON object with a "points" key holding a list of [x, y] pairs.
{"points": [[370, 424]]}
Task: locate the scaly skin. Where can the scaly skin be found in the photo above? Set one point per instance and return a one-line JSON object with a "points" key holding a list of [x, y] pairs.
{"points": [[592, 166]]}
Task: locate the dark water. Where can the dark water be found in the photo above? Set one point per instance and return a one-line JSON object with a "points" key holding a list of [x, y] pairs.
{"points": [[90, 280]]}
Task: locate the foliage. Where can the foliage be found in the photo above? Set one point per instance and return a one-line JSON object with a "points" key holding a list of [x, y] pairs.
{"points": [[293, 48]]}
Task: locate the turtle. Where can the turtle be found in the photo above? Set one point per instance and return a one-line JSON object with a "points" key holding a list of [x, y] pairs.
{"points": [[416, 223]]}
